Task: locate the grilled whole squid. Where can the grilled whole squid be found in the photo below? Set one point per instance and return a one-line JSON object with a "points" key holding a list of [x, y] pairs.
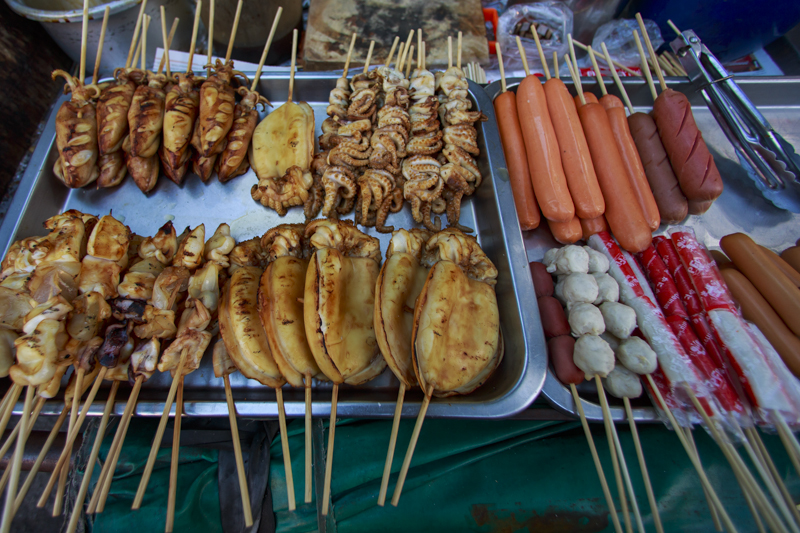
{"points": [[280, 303], [233, 161], [180, 112], [456, 339], [146, 116], [399, 284], [76, 135], [339, 301], [112, 109], [217, 101], [143, 170]]}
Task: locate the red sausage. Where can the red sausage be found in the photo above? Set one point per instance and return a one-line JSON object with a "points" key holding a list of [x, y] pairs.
{"points": [[505, 107], [554, 321], [593, 225], [630, 158], [623, 213], [560, 350], [693, 163], [575, 157], [566, 232], [544, 161], [672, 205], [542, 280]]}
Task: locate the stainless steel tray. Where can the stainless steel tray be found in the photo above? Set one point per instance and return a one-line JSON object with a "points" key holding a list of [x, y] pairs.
{"points": [[740, 208], [490, 212]]}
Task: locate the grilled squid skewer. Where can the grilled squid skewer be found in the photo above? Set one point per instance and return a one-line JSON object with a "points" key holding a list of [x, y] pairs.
{"points": [[76, 135], [233, 161], [181, 107]]}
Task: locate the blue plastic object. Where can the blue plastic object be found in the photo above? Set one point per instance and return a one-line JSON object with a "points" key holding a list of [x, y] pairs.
{"points": [[730, 28]]}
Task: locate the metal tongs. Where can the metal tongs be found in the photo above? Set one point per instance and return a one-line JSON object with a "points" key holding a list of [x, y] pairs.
{"points": [[768, 158]]}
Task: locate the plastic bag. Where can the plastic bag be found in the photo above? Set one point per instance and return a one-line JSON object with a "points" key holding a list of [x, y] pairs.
{"points": [[554, 22], [618, 36]]}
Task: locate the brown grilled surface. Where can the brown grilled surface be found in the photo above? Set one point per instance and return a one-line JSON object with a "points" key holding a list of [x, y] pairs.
{"points": [[28, 55], [332, 22]]}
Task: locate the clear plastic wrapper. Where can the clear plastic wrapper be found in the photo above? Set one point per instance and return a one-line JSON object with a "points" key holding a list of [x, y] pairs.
{"points": [[618, 36], [769, 390], [554, 22]]}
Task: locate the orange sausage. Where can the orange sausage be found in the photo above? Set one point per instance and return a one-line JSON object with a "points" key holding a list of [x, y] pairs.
{"points": [[505, 107], [591, 226], [784, 267], [630, 158], [773, 285], [756, 309], [589, 97], [575, 157], [792, 256], [720, 259], [541, 146], [566, 232], [623, 213]]}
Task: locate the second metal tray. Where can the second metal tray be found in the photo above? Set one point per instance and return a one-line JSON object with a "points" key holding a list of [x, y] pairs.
{"points": [[490, 212]]}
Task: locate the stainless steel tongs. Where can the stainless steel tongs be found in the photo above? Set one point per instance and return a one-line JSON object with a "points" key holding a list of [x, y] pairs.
{"points": [[769, 159]]}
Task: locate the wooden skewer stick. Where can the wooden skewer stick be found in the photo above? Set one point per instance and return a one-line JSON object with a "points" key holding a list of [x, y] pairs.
{"points": [[40, 459], [616, 457], [349, 55], [233, 31], [309, 480], [713, 508], [406, 52], [195, 27], [458, 57], [522, 56], [555, 65], [652, 52], [645, 68], [326, 492], [72, 433], [136, 29], [449, 51], [419, 48], [210, 36], [616, 64], [787, 439], [401, 478], [64, 469], [171, 35], [98, 501], [167, 43], [12, 438], [84, 38], [541, 53], [597, 73], [87, 475], [596, 458], [391, 51], [144, 42], [287, 459], [294, 65], [502, 69], [148, 470], [674, 28], [10, 509], [176, 451], [369, 56], [266, 49], [11, 401], [237, 452], [7, 398], [614, 74], [575, 79], [648, 487], [408, 67], [100, 43], [387, 467], [726, 520], [759, 444], [424, 55]]}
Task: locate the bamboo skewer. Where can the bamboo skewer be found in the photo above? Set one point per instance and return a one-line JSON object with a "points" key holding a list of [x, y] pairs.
{"points": [[195, 27], [84, 38], [541, 53], [726, 520], [237, 451], [165, 57], [407, 50], [7, 398], [210, 37], [616, 64], [326, 493], [266, 48], [87, 475], [391, 52], [651, 52], [674, 28], [309, 479], [98, 501], [387, 467], [148, 470], [522, 56], [369, 56], [645, 68], [788, 440], [759, 444], [712, 508], [596, 458], [503, 87], [176, 451], [294, 64], [229, 52], [349, 55], [143, 55], [64, 469], [419, 48], [136, 30], [555, 65], [11, 401], [408, 67], [287, 459], [617, 81], [449, 51], [401, 478], [100, 43], [458, 60], [597, 73], [575, 79], [12, 438], [10, 508], [648, 487]]}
